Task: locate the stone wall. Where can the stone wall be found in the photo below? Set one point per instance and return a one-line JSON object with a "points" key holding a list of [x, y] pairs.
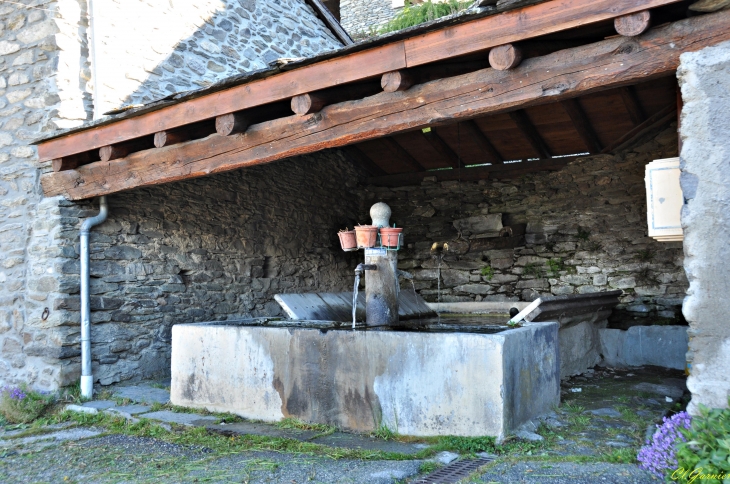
{"points": [[209, 249], [705, 162], [359, 17], [586, 231], [43, 62], [148, 50]]}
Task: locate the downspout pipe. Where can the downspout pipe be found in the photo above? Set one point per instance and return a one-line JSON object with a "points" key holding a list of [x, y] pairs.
{"points": [[87, 380]]}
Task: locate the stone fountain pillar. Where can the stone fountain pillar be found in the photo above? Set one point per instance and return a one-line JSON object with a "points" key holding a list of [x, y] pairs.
{"points": [[381, 285]]}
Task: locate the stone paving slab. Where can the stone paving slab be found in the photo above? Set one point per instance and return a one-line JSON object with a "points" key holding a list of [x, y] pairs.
{"points": [[143, 394], [131, 409], [565, 473], [337, 439], [60, 436], [179, 418], [100, 404]]}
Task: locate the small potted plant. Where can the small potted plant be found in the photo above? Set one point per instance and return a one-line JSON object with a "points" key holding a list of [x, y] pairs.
{"points": [[367, 236], [347, 240], [390, 237]]}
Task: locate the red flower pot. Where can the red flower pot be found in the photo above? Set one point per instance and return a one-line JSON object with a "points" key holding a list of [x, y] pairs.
{"points": [[391, 236], [367, 236], [348, 240]]}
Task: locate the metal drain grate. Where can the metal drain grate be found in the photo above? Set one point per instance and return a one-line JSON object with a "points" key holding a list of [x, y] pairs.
{"points": [[453, 472]]}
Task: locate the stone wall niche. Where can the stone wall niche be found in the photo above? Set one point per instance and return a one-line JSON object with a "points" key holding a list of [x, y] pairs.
{"points": [[705, 162]]}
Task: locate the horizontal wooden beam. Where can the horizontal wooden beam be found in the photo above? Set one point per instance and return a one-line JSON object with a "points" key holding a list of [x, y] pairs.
{"points": [[608, 64], [477, 35], [509, 170]]}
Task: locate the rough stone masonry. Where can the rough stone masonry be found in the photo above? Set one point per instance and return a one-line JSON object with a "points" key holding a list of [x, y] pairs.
{"points": [[585, 232], [54, 74], [705, 162]]}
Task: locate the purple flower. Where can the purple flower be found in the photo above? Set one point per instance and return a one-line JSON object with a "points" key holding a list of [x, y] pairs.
{"points": [[659, 455]]}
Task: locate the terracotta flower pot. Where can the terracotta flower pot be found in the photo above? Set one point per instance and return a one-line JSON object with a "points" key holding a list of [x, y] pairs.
{"points": [[391, 236], [348, 240], [367, 236]]}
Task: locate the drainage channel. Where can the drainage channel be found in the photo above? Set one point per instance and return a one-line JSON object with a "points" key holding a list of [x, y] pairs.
{"points": [[454, 472]]}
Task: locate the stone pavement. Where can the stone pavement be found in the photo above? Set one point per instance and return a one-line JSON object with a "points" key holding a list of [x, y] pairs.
{"points": [[604, 418]]}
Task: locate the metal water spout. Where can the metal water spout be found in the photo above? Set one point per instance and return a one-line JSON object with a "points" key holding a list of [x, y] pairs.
{"points": [[358, 272]]}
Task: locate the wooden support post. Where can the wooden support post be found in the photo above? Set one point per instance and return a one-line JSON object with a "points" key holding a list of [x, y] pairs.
{"points": [[680, 105], [582, 125], [443, 149], [505, 57], [233, 123], [633, 24], [528, 129], [400, 152], [307, 103], [396, 81], [633, 106], [472, 130]]}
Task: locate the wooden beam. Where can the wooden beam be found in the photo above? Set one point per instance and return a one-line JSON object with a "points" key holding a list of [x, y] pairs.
{"points": [[330, 21], [397, 81], [477, 135], [582, 125], [505, 57], [74, 161], [472, 173], [121, 150], [314, 102], [680, 106], [399, 152], [475, 36], [522, 120], [442, 148], [656, 121], [608, 64], [633, 24], [185, 133], [358, 156], [234, 123], [515, 25], [633, 105]]}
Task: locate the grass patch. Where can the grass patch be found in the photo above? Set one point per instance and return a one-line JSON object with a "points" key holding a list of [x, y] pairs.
{"points": [[428, 467], [384, 433], [625, 455], [295, 424], [21, 405], [425, 12], [487, 272]]}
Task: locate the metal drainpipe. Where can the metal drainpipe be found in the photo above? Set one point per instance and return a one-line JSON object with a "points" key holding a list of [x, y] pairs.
{"points": [[87, 381]]}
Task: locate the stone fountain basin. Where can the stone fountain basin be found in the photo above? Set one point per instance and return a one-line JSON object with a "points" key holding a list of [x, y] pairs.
{"points": [[415, 383]]}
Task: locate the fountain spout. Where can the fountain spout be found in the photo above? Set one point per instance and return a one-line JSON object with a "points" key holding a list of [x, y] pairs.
{"points": [[365, 267]]}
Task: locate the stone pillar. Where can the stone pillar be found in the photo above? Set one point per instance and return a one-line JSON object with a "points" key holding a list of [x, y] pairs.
{"points": [[381, 288], [705, 162]]}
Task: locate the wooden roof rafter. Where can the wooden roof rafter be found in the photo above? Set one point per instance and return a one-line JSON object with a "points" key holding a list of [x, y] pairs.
{"points": [[420, 50], [556, 77]]}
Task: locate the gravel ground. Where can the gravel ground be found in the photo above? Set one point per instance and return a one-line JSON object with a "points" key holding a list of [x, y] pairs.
{"points": [[566, 473], [125, 459]]}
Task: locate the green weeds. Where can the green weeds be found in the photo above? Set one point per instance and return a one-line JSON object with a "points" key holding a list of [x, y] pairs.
{"points": [[417, 14]]}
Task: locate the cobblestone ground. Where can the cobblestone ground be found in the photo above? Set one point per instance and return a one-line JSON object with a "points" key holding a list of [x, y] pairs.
{"points": [[592, 437]]}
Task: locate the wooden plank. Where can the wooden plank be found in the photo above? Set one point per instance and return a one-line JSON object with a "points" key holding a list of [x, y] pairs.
{"points": [[528, 129], [481, 34], [349, 68], [330, 21], [442, 148], [658, 120], [516, 25], [472, 173], [472, 131], [633, 106], [608, 64], [359, 156], [394, 147], [582, 125]]}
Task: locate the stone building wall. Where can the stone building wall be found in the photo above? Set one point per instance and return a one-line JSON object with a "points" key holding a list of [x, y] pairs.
{"points": [[43, 61], [362, 16], [209, 249], [148, 50], [46, 84], [705, 162], [586, 232]]}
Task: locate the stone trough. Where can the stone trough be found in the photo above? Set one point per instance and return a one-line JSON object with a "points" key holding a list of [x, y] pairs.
{"points": [[421, 383]]}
